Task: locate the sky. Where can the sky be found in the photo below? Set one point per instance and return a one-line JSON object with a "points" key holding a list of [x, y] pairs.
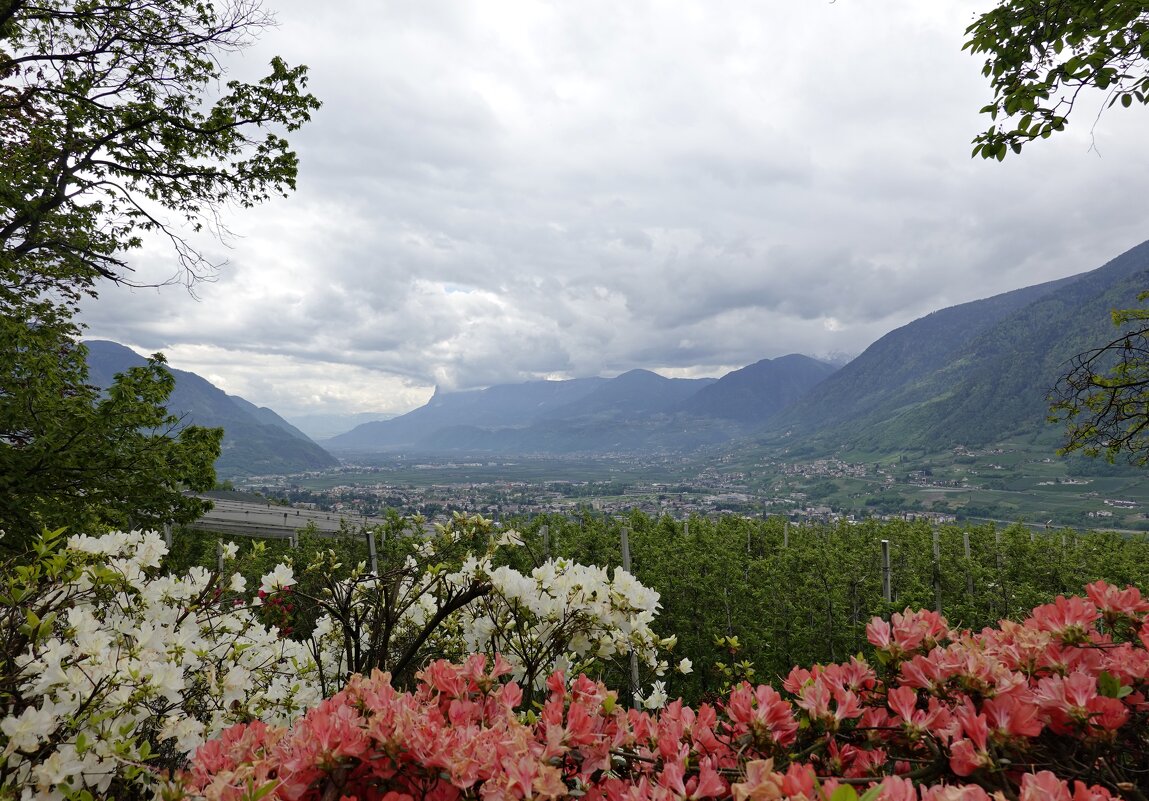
{"points": [[496, 192]]}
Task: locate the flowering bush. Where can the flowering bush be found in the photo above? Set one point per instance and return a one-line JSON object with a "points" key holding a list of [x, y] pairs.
{"points": [[442, 595], [1051, 708], [110, 669], [562, 616]]}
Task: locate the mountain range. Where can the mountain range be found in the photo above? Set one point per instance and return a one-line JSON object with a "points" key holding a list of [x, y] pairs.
{"points": [[256, 440], [971, 375], [636, 411]]}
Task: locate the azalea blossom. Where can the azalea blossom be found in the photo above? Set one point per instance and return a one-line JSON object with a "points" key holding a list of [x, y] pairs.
{"points": [[136, 659], [281, 576]]}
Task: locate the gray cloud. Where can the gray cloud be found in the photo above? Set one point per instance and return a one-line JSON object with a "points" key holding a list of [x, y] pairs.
{"points": [[511, 190]]}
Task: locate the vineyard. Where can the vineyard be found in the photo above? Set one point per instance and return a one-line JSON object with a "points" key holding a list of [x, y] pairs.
{"points": [[791, 594]]}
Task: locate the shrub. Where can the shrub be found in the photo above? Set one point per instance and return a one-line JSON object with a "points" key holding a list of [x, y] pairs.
{"points": [[111, 670], [1052, 708]]}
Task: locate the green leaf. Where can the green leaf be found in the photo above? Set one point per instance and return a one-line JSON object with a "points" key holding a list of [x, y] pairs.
{"points": [[844, 792]]}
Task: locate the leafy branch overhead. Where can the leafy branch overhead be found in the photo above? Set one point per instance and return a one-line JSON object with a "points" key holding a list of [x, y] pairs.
{"points": [[1104, 398], [106, 126], [1041, 55]]}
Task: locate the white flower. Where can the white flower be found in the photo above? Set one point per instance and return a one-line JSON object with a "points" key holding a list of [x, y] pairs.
{"points": [[150, 550], [230, 549], [126, 655], [90, 636], [282, 576], [510, 537], [30, 728], [657, 698], [235, 685], [60, 766], [238, 583], [188, 732], [685, 666]]}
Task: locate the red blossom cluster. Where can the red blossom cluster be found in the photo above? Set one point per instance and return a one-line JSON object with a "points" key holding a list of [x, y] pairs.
{"points": [[1051, 708], [276, 609]]}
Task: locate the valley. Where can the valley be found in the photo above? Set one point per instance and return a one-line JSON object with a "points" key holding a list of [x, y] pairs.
{"points": [[944, 418], [1007, 483]]}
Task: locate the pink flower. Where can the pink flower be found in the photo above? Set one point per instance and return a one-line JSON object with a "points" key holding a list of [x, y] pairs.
{"points": [[1116, 604], [1043, 786], [1012, 716], [764, 712], [762, 783], [1068, 619], [907, 633], [1073, 703]]}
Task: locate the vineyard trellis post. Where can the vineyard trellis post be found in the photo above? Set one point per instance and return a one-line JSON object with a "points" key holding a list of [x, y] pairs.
{"points": [[887, 594], [546, 532], [370, 532], [937, 571], [968, 571], [633, 655], [1001, 573]]}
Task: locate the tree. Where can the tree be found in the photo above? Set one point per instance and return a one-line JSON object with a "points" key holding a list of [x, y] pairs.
{"points": [[1104, 397], [105, 127], [73, 456], [116, 118], [1041, 54]]}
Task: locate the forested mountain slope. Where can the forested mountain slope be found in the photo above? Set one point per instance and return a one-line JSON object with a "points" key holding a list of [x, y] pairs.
{"points": [[968, 375], [256, 440]]}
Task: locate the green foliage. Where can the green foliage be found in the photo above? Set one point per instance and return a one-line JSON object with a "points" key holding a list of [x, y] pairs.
{"points": [[105, 127], [71, 456], [106, 124], [757, 596], [1041, 54], [1104, 398]]}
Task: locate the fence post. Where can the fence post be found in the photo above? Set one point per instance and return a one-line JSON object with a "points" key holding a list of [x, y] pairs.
{"points": [[887, 593], [168, 535], [786, 533], [546, 542], [633, 655], [937, 572]]}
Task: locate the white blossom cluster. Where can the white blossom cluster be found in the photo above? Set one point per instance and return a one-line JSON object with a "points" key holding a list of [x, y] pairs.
{"points": [[563, 615], [137, 665]]}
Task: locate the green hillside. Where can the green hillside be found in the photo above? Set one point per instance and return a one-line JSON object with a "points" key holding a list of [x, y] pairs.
{"points": [[968, 375], [256, 441]]}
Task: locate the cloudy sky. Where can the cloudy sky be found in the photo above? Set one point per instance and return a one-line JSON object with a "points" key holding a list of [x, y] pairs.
{"points": [[501, 191]]}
